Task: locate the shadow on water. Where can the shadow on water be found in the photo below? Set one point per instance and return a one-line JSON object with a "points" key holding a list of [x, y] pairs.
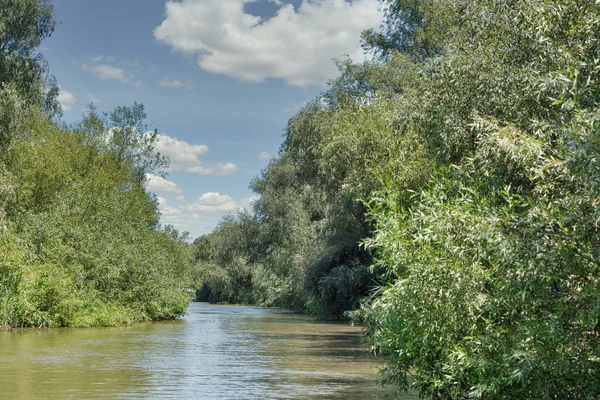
{"points": [[216, 352]]}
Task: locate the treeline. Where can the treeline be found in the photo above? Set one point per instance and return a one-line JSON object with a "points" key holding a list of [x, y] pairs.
{"points": [[299, 248], [456, 178], [80, 240]]}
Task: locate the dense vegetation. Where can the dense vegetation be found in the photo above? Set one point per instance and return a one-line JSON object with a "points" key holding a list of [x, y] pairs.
{"points": [[300, 248], [445, 193], [466, 157], [80, 241]]}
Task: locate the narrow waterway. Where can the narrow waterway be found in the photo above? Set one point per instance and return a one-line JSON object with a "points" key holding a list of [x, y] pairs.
{"points": [[216, 352]]}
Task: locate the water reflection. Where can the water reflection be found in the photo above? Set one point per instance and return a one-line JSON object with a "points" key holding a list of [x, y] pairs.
{"points": [[216, 352]]}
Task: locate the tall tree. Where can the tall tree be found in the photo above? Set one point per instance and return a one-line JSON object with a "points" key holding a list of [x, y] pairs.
{"points": [[23, 26], [24, 80]]}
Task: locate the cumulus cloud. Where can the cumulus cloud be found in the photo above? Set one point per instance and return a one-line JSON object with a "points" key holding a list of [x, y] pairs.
{"points": [[106, 71], [214, 202], [202, 216], [296, 46], [185, 157], [66, 99], [182, 154], [160, 185], [220, 169], [176, 84], [225, 169], [265, 155], [214, 199], [166, 210]]}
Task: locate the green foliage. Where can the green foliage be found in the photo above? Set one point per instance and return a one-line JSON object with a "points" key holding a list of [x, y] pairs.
{"points": [[129, 141], [301, 250], [337, 288], [224, 269], [473, 143], [84, 245], [492, 262], [23, 25], [80, 243], [414, 27], [310, 218]]}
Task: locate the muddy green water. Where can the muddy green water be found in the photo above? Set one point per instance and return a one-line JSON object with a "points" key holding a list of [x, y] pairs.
{"points": [[216, 352]]}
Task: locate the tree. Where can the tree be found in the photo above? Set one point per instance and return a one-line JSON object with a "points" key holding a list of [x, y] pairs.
{"points": [[23, 26], [129, 140], [84, 243], [80, 241], [492, 278]]}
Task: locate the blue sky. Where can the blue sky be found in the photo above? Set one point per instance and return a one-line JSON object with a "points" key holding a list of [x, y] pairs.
{"points": [[219, 80]]}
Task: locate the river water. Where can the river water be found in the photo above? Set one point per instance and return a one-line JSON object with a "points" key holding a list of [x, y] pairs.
{"points": [[216, 352]]}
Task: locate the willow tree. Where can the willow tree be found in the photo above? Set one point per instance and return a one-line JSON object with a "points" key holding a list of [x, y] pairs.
{"points": [[492, 263]]}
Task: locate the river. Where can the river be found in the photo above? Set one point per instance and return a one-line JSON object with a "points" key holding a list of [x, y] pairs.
{"points": [[215, 352]]}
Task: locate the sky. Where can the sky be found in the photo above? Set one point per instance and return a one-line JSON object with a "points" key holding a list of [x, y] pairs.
{"points": [[219, 80]]}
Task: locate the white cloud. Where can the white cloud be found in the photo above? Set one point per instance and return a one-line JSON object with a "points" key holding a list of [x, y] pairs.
{"points": [[166, 210], [105, 71], [182, 154], [108, 71], [184, 157], [176, 84], [296, 46], [160, 185], [214, 199], [97, 101], [200, 170], [214, 202], [202, 216], [219, 170], [225, 169], [265, 155], [66, 99]]}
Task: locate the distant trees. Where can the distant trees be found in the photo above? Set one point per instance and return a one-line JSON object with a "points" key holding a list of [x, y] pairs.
{"points": [[300, 249], [224, 268]]}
